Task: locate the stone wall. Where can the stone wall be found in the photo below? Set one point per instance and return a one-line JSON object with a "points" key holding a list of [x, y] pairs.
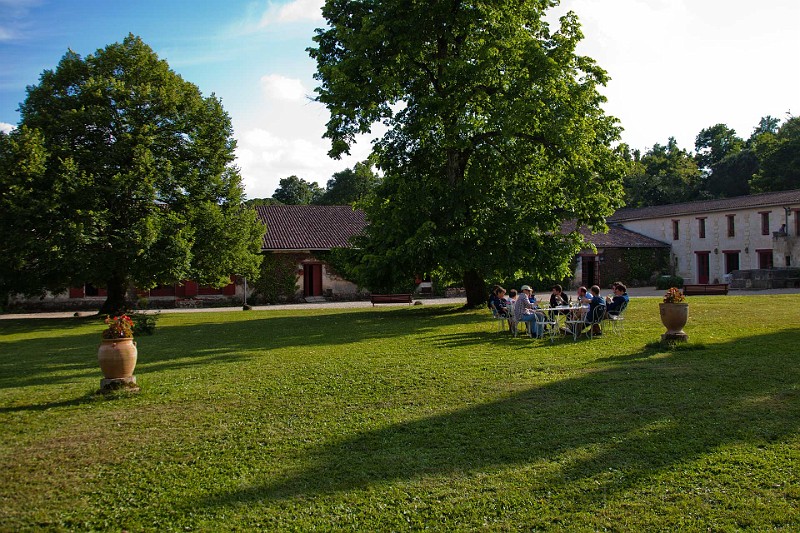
{"points": [[774, 278]]}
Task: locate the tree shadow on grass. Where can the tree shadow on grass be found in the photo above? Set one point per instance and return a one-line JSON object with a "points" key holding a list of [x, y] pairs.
{"points": [[634, 419], [65, 355]]}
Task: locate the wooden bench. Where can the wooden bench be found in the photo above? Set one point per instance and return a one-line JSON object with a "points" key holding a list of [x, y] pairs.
{"points": [[390, 299], [701, 289]]}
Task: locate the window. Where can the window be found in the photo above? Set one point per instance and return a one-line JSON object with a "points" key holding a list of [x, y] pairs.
{"points": [[676, 234], [701, 228], [731, 260], [764, 223], [764, 258], [731, 226]]}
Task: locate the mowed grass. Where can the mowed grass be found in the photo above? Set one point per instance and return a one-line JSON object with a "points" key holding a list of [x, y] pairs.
{"points": [[403, 418]]}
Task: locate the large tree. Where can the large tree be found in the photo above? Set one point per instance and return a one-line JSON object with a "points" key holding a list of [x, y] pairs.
{"points": [[121, 174], [779, 158], [714, 143], [665, 174], [350, 185], [297, 191], [496, 135]]}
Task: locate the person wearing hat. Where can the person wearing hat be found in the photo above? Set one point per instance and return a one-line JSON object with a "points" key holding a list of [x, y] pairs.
{"points": [[525, 310]]}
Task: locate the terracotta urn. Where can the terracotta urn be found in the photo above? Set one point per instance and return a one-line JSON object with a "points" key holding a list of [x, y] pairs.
{"points": [[674, 317], [117, 358]]}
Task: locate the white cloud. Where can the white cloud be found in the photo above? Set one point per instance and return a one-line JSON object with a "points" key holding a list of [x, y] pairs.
{"points": [[266, 157], [282, 135], [5, 127], [283, 88], [296, 11]]}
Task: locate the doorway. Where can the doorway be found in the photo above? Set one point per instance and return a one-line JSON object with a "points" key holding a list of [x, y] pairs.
{"points": [[703, 268], [590, 270], [312, 279]]}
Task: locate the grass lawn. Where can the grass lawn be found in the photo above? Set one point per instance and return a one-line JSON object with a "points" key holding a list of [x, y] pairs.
{"points": [[398, 418]]}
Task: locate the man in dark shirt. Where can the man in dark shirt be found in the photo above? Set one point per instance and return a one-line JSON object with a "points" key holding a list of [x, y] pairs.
{"points": [[616, 304]]}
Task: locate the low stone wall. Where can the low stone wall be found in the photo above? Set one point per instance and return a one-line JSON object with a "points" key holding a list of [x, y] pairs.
{"points": [[765, 278]]}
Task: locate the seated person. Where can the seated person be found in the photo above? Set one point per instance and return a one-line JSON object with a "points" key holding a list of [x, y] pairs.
{"points": [[596, 311], [557, 297], [582, 299], [512, 297], [497, 300], [615, 304], [526, 311]]}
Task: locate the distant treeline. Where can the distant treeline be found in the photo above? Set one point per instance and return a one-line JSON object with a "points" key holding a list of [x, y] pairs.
{"points": [[722, 165]]}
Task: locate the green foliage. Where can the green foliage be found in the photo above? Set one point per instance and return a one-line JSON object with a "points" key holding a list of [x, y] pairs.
{"points": [[666, 282], [731, 176], [663, 175], [642, 263], [123, 174], [715, 143], [277, 281], [144, 323], [496, 135], [297, 191], [254, 202], [397, 419], [349, 186], [779, 157], [728, 166]]}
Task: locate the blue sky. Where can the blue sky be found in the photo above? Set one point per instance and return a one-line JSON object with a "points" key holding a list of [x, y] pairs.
{"points": [[677, 66]]}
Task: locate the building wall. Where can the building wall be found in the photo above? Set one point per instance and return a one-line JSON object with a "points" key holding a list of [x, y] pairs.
{"points": [[333, 285], [168, 296], [746, 243]]}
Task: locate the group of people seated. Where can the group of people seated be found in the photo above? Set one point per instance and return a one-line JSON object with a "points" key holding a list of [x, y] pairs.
{"points": [[591, 308]]}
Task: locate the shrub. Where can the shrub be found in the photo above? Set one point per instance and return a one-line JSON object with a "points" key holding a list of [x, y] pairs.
{"points": [[143, 323], [666, 282], [278, 279]]}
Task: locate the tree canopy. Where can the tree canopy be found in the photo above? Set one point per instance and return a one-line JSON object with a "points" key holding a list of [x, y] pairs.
{"points": [[779, 156], [297, 191], [121, 173], [724, 165], [350, 185], [664, 174], [496, 135]]}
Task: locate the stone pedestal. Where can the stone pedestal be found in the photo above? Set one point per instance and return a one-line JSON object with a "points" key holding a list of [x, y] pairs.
{"points": [[674, 337], [127, 384]]}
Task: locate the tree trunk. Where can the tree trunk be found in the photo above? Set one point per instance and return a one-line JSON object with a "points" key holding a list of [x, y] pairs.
{"points": [[115, 303], [475, 286]]}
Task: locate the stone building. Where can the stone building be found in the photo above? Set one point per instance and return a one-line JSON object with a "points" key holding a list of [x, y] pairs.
{"points": [[714, 240]]}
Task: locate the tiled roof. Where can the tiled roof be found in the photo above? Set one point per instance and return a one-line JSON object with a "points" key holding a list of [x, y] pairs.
{"points": [[617, 237], [767, 199], [309, 227]]}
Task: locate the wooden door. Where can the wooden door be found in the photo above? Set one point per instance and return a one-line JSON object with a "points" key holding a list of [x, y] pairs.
{"points": [[703, 269], [312, 279]]}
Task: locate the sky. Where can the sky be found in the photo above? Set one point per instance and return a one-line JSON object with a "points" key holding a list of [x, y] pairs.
{"points": [[676, 66]]}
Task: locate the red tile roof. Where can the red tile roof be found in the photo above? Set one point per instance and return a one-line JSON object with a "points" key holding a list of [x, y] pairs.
{"points": [[309, 227], [617, 237], [322, 227], [767, 199]]}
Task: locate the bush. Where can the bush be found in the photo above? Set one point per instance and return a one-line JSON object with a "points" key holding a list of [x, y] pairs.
{"points": [[278, 280], [143, 323], [665, 282]]}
